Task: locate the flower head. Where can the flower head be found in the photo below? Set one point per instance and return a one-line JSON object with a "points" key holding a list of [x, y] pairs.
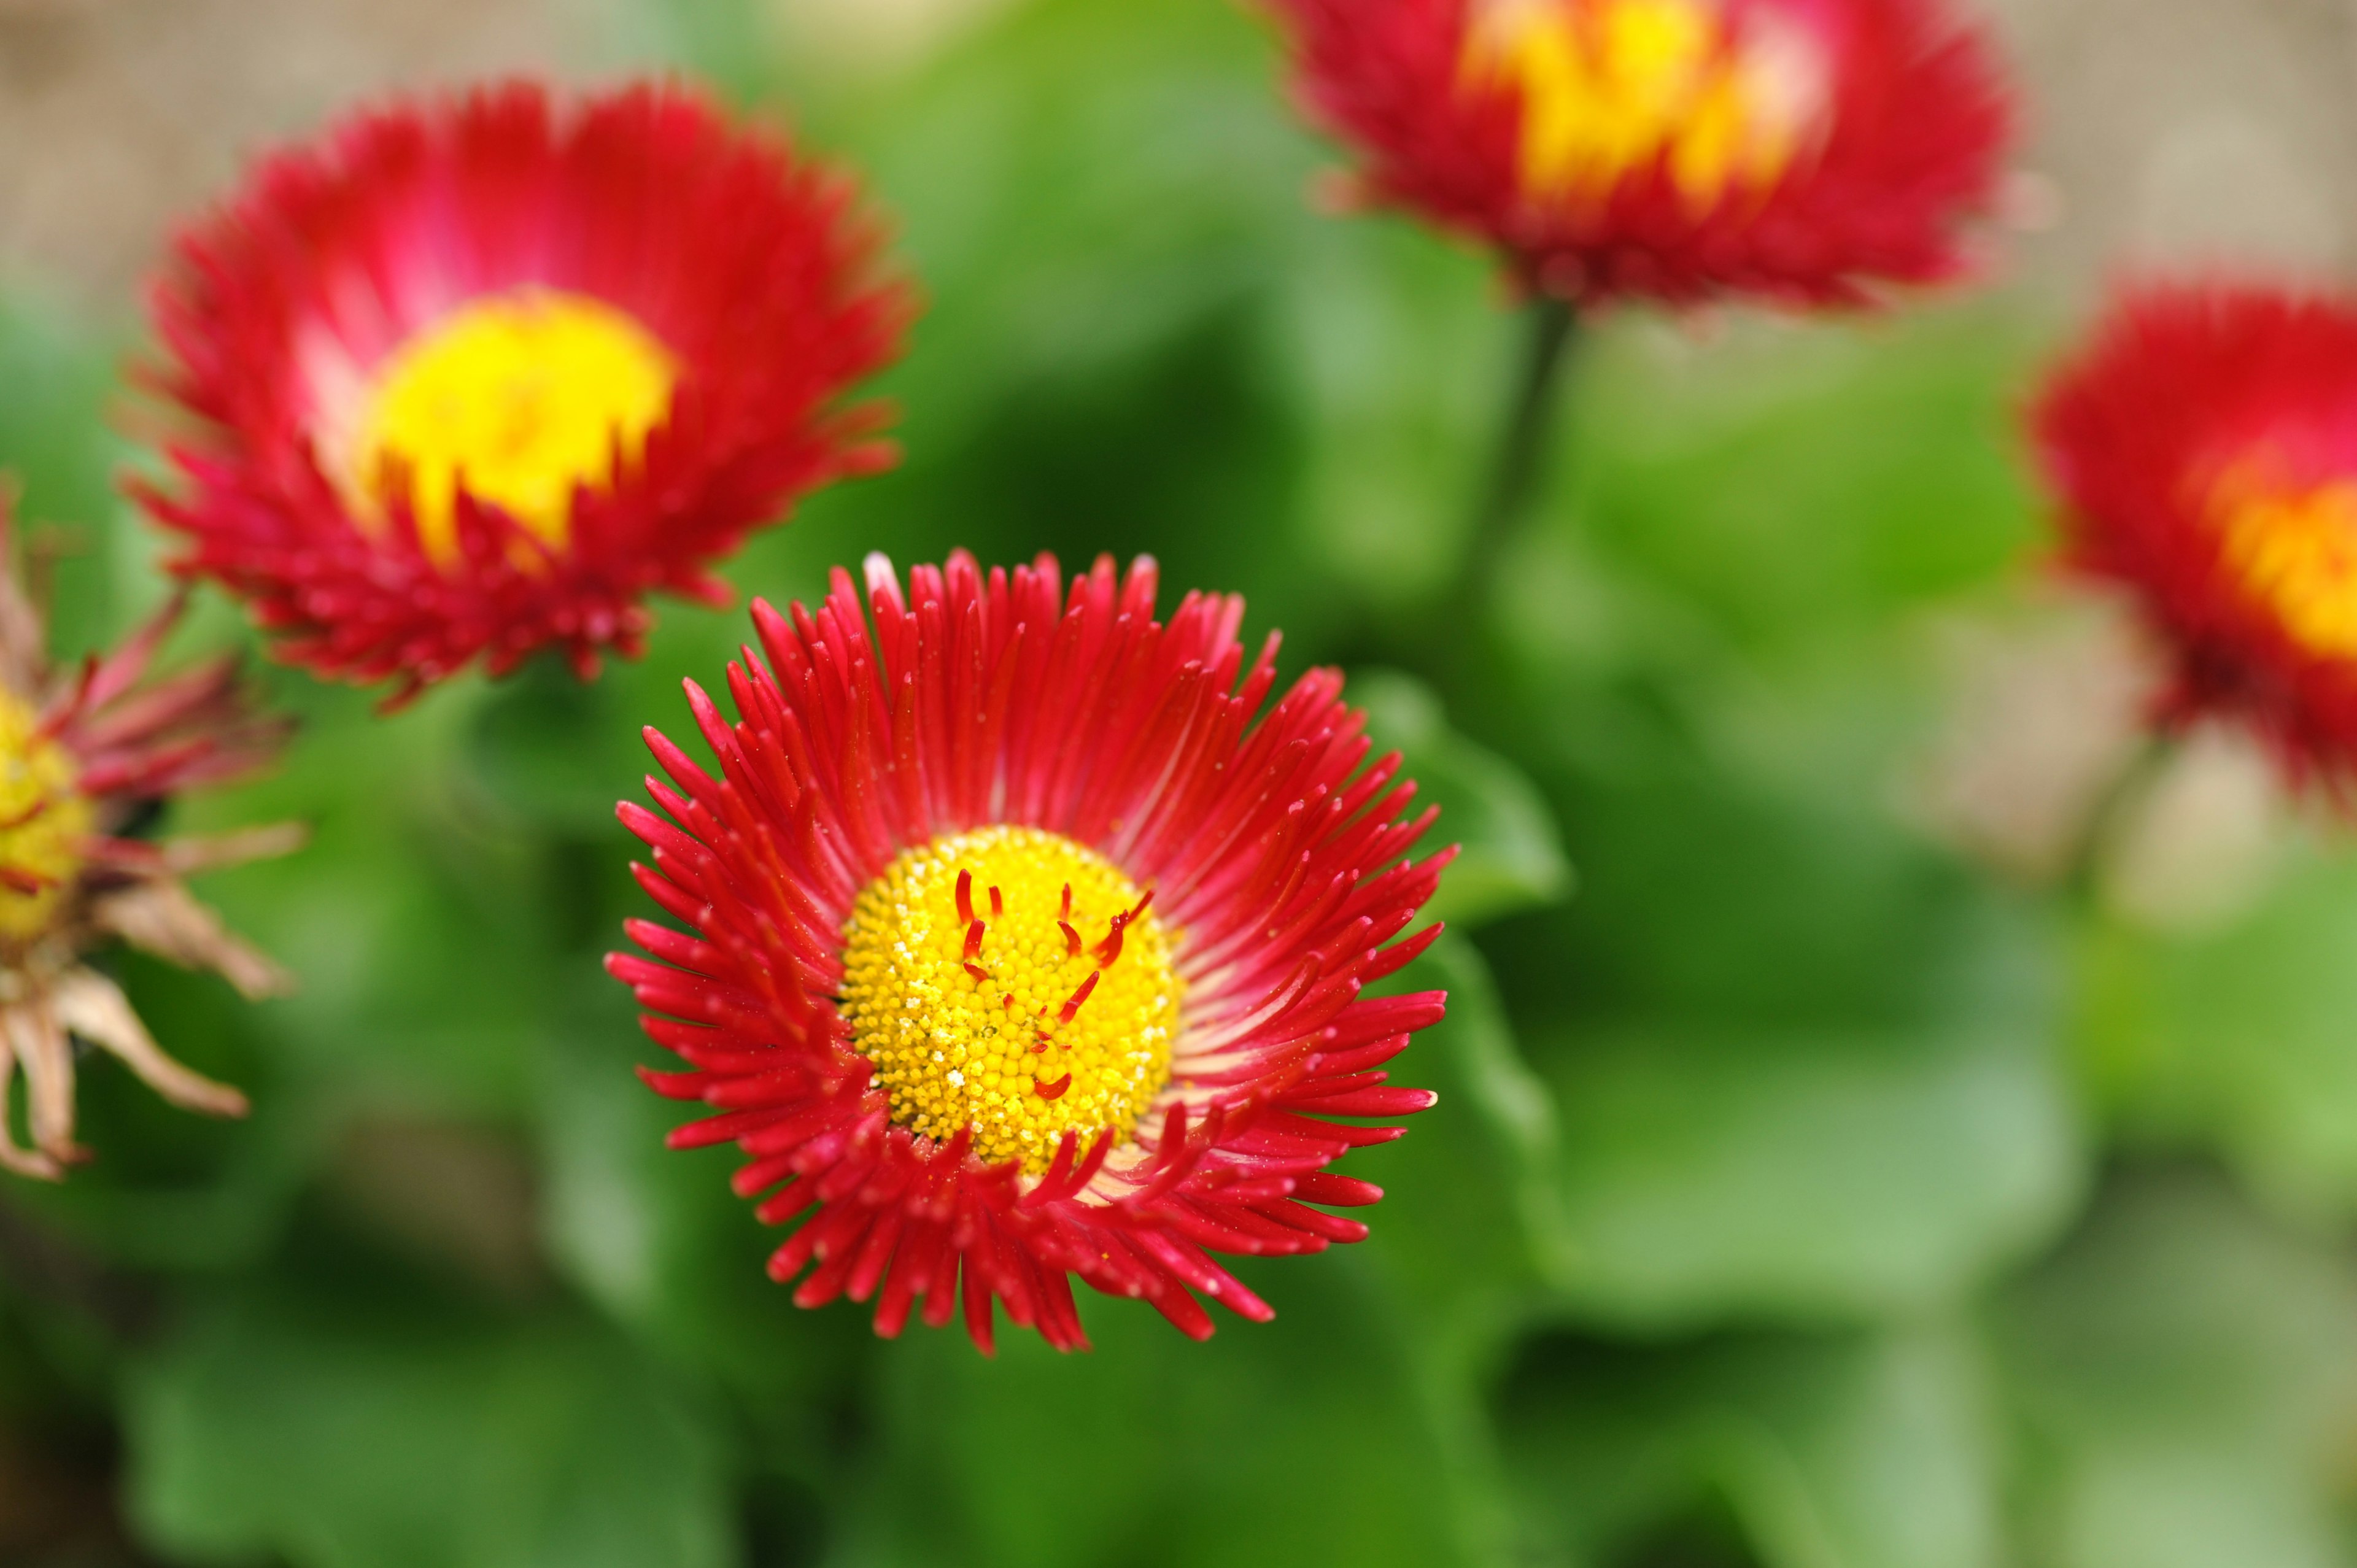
{"points": [[2205, 447], [84, 756], [1677, 150], [1024, 945], [477, 374]]}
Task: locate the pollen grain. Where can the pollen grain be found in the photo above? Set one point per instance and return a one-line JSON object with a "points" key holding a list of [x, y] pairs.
{"points": [[2295, 551], [1609, 87], [963, 985], [44, 824], [520, 398]]}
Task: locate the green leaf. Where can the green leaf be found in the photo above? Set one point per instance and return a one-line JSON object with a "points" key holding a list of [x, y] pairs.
{"points": [[1804, 1066], [1798, 483], [2183, 1374], [2238, 1039], [1306, 1440], [1873, 1450], [1471, 1226], [1803, 1175], [657, 1238], [345, 1427], [1511, 854]]}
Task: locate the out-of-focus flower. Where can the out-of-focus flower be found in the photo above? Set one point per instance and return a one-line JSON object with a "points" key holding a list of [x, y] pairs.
{"points": [[1677, 150], [2205, 448], [1025, 946], [477, 374], [84, 756]]}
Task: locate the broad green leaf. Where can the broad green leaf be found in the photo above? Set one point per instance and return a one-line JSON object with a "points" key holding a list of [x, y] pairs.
{"points": [[1470, 1224], [658, 1239], [1309, 1439], [1870, 1450], [1511, 856], [1797, 480], [2240, 1039], [352, 1425], [1805, 1067], [2183, 1375], [1803, 1175]]}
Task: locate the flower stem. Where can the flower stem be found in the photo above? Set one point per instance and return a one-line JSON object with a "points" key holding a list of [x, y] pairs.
{"points": [[1520, 463], [2110, 815]]}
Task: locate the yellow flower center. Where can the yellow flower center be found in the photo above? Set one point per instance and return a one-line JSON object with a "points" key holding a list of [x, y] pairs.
{"points": [[520, 399], [44, 822], [2296, 552], [1010, 981], [1611, 86]]}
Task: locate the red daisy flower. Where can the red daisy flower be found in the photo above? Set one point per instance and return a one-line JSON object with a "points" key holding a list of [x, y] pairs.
{"points": [[1024, 949], [478, 374], [1669, 149], [84, 757], [2205, 447]]}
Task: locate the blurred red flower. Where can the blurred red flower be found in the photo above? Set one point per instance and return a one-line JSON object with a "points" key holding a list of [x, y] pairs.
{"points": [[2205, 444], [475, 374], [1800, 151], [84, 756], [1025, 946]]}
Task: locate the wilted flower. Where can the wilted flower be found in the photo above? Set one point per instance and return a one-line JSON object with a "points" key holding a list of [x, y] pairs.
{"points": [[1025, 946], [477, 374], [1800, 150], [2205, 446], [84, 756]]}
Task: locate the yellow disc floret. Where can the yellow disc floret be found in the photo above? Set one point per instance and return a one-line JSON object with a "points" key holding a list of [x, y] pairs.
{"points": [[1010, 981], [44, 824], [2295, 550], [521, 398], [1609, 86]]}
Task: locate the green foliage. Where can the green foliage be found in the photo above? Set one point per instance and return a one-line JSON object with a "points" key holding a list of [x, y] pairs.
{"points": [[353, 1423]]}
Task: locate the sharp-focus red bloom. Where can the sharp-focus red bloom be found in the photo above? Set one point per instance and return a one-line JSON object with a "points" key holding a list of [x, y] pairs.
{"points": [[83, 755], [1026, 946], [2205, 447], [477, 374], [1676, 150]]}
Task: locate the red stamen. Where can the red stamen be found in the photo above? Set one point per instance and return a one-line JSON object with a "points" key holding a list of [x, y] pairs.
{"points": [[1072, 939], [1109, 950], [16, 879], [965, 898], [974, 939], [1010, 1002], [1068, 902], [1072, 1007], [30, 814], [1053, 1090], [997, 904], [981, 975]]}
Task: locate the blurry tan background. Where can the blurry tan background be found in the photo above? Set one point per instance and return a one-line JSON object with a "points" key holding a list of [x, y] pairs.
{"points": [[2223, 129]]}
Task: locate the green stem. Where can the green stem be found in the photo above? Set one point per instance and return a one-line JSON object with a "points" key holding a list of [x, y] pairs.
{"points": [[2110, 816], [1520, 465]]}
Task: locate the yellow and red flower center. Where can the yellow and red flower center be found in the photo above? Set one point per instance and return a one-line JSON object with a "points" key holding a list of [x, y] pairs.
{"points": [[45, 824], [1011, 981], [2294, 550], [520, 398], [1612, 87]]}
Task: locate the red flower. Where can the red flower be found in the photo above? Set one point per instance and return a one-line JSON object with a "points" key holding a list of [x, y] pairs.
{"points": [[1799, 150], [2205, 447], [1023, 949], [476, 375], [86, 754]]}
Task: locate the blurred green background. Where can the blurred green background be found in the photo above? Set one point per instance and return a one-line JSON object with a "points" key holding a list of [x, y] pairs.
{"points": [[1815, 1184]]}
